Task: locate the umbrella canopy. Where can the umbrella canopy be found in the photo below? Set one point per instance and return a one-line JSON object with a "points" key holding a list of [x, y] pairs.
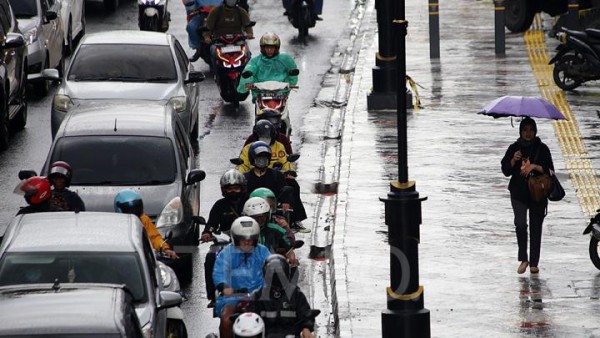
{"points": [[522, 106]]}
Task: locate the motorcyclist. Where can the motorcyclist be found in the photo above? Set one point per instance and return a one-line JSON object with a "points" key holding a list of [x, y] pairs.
{"points": [[277, 215], [273, 116], [228, 18], [221, 216], [272, 235], [195, 20], [281, 303], [37, 192], [270, 65], [316, 5], [238, 266], [264, 131], [128, 201], [60, 178]]}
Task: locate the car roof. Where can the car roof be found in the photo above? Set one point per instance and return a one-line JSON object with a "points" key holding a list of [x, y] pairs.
{"points": [[127, 37], [73, 231], [81, 309], [131, 118]]}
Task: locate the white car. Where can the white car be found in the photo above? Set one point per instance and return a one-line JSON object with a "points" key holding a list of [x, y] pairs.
{"points": [[73, 20]]}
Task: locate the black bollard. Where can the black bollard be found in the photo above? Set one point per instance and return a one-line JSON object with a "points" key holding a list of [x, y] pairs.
{"points": [[434, 29], [499, 27]]}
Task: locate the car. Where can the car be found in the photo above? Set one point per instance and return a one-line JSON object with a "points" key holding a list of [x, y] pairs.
{"points": [[13, 75], [42, 27], [139, 145], [135, 65], [73, 310], [73, 19], [90, 247]]}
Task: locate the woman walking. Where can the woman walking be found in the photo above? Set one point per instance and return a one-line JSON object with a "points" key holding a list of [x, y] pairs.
{"points": [[526, 157]]}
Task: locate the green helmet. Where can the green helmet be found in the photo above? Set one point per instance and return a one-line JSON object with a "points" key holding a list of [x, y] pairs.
{"points": [[268, 195]]}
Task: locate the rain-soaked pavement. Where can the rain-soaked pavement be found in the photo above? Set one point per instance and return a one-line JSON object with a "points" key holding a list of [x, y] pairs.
{"points": [[468, 251]]}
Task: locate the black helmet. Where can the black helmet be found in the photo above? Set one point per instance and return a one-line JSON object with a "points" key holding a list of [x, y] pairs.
{"points": [[276, 267], [272, 115], [264, 130]]}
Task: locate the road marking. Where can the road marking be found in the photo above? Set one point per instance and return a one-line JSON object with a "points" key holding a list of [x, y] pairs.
{"points": [[581, 171]]}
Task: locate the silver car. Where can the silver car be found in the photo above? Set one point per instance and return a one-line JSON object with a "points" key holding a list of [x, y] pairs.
{"points": [[88, 247], [135, 65], [138, 145], [42, 27]]}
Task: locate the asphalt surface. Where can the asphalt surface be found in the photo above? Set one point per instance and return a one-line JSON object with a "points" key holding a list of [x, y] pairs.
{"points": [[468, 251]]}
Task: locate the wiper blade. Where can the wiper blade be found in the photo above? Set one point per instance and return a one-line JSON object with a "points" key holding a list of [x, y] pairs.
{"points": [[152, 182]]}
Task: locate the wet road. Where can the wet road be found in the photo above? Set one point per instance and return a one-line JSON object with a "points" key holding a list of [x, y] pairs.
{"points": [[222, 128]]}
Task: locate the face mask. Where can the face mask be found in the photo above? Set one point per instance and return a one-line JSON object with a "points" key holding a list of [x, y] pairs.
{"points": [[261, 162], [233, 196]]}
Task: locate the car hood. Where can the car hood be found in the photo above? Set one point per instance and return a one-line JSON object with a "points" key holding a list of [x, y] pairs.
{"points": [[101, 198], [121, 90]]}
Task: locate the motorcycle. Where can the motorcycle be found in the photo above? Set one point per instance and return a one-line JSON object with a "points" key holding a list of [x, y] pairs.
{"points": [[577, 59], [593, 229], [230, 60], [153, 15], [175, 317], [302, 17]]}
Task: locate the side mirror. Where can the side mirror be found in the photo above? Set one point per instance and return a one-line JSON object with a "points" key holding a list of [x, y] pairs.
{"points": [[194, 76], [13, 40], [51, 15], [198, 220], [251, 24], [169, 299], [51, 74], [247, 74], [293, 157], [298, 244], [294, 72], [25, 174], [195, 176], [236, 161]]}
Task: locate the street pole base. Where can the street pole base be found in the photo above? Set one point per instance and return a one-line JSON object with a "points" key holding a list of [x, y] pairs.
{"points": [[405, 324], [387, 100]]}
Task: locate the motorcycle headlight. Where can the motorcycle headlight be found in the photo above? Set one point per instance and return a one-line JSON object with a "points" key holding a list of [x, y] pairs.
{"points": [[171, 215], [62, 103], [179, 103], [31, 36]]}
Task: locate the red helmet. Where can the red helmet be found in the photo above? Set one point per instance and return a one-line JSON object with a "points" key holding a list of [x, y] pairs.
{"points": [[61, 168], [36, 189]]}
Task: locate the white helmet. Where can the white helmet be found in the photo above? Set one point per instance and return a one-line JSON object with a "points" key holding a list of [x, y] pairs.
{"points": [[244, 227], [249, 325], [256, 206]]}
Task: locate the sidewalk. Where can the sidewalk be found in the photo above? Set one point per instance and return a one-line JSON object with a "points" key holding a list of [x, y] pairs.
{"points": [[468, 248]]}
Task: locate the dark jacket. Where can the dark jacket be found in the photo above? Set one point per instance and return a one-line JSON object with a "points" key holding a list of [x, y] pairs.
{"points": [[538, 153], [222, 214], [273, 180], [42, 207], [67, 200], [281, 314]]}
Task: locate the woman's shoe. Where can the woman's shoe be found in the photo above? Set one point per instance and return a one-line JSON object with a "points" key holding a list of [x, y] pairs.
{"points": [[522, 267], [534, 269]]}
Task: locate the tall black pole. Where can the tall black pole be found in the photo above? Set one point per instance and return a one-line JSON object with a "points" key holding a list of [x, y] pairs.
{"points": [[499, 36], [434, 29], [405, 315]]}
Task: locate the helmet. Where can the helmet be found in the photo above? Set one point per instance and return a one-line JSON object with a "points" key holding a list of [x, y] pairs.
{"points": [[257, 148], [129, 201], [249, 325], [230, 3], [232, 177], [268, 195], [245, 227], [256, 207], [36, 190], [272, 115], [276, 267], [61, 168], [270, 39], [264, 130]]}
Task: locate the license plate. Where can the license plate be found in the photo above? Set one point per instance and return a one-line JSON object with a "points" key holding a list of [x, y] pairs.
{"points": [[231, 49]]}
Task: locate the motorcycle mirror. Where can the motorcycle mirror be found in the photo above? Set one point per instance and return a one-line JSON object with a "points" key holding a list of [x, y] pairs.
{"points": [[194, 76], [247, 74], [25, 174], [198, 220], [294, 72], [293, 157], [298, 244], [236, 161], [251, 24]]}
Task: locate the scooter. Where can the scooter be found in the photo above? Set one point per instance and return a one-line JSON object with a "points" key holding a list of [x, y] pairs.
{"points": [[175, 324], [593, 229], [153, 15], [230, 59], [302, 18], [577, 59]]}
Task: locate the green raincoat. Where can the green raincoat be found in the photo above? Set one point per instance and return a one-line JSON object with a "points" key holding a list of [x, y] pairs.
{"points": [[269, 69]]}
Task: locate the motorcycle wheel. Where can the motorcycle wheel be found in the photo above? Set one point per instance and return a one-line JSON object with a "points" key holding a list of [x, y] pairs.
{"points": [[519, 14], [559, 73], [594, 252], [151, 24], [303, 20], [176, 329]]}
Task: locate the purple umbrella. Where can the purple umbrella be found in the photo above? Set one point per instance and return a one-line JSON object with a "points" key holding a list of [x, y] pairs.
{"points": [[522, 106]]}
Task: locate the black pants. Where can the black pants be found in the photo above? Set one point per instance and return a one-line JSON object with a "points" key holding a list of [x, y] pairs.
{"points": [[537, 212], [299, 213], [209, 264]]}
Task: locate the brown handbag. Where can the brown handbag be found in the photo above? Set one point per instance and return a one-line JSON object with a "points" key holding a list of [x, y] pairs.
{"points": [[540, 187]]}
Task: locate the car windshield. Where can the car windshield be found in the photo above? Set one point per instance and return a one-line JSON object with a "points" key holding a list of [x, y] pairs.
{"points": [[118, 160], [118, 62], [24, 8], [75, 267]]}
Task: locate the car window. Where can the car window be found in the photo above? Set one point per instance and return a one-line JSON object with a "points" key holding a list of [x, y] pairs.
{"points": [[118, 160], [181, 57], [24, 8], [118, 62], [75, 267]]}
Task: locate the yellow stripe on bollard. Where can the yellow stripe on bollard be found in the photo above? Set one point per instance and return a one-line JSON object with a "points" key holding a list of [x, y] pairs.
{"points": [[580, 167]]}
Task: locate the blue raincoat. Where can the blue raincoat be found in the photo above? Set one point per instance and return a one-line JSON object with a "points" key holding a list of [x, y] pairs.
{"points": [[195, 21]]}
